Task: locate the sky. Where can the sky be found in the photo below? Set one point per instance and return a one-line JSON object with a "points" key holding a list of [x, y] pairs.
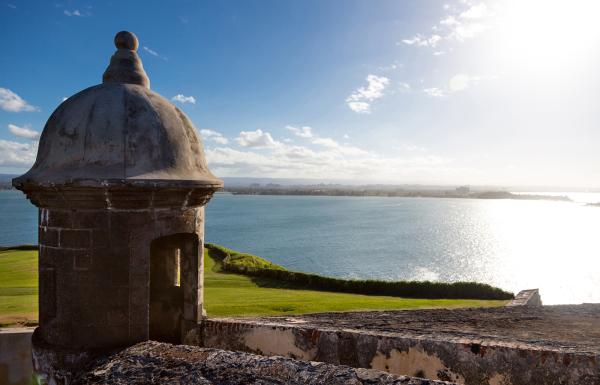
{"points": [[432, 92]]}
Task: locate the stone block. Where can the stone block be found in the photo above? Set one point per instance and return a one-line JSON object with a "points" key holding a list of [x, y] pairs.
{"points": [[117, 297], [59, 218], [48, 236], [138, 332], [47, 295], [46, 258], [139, 295], [75, 239], [138, 315], [90, 219], [100, 238], [60, 258], [118, 316], [102, 261], [120, 276], [82, 261]]}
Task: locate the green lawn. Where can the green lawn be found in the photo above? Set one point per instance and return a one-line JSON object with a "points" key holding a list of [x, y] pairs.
{"points": [[225, 294], [18, 286]]}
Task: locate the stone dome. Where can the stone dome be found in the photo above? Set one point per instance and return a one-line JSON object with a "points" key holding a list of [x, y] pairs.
{"points": [[120, 132]]}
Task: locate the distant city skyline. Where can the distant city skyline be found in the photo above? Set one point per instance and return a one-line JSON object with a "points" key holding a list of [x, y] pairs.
{"points": [[401, 92]]}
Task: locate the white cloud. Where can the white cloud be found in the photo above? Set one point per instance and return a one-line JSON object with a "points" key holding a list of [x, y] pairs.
{"points": [[465, 21], [214, 136], [346, 136], [423, 41], [475, 12], [463, 32], [9, 101], [374, 89], [307, 133], [184, 99], [302, 132], [23, 132], [64, 98], [256, 139], [150, 51], [326, 142], [329, 159], [360, 107], [434, 92], [449, 21], [14, 154], [76, 13], [359, 100]]}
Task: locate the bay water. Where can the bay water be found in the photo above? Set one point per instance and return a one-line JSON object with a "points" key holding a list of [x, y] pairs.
{"points": [[512, 244]]}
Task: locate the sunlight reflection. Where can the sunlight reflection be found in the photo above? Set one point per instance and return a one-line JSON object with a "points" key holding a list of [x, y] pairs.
{"points": [[547, 245]]}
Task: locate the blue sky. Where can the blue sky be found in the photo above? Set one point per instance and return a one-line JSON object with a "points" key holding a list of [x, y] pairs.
{"points": [[434, 92]]}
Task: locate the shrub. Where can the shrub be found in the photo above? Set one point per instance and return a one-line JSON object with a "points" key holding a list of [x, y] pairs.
{"points": [[254, 266]]}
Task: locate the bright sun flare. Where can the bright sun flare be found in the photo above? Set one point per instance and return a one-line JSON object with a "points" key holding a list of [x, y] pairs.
{"points": [[547, 33]]}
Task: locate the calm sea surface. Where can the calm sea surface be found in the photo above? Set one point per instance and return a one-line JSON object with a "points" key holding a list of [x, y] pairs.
{"points": [[554, 246]]}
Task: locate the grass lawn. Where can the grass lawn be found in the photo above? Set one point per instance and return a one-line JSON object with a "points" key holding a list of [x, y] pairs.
{"points": [[18, 287], [225, 294]]}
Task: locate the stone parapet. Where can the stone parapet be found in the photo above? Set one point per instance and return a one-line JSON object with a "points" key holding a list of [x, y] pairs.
{"points": [[493, 346], [160, 363]]}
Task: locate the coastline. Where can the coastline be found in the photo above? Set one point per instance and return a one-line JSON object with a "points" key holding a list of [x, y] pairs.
{"points": [[370, 192]]}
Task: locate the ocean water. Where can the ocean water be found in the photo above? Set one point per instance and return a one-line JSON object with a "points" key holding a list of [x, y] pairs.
{"points": [[554, 246]]}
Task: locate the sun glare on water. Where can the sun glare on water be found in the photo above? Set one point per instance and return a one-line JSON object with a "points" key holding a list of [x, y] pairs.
{"points": [[549, 245]]}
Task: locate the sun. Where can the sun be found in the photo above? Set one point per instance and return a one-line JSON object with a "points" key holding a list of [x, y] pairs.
{"points": [[547, 34]]}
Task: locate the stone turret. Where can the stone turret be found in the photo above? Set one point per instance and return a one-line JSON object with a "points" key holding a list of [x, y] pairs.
{"points": [[120, 181]]}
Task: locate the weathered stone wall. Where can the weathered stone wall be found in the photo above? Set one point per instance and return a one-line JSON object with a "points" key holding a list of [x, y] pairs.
{"points": [[502, 346], [95, 274], [15, 356], [156, 363]]}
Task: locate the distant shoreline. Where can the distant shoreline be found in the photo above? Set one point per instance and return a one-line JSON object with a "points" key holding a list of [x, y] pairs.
{"points": [[378, 191], [369, 192]]}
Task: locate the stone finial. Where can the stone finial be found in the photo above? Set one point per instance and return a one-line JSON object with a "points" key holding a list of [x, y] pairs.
{"points": [[125, 65], [126, 40]]}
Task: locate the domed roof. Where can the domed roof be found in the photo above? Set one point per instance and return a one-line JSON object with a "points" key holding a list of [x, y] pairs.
{"points": [[119, 132]]}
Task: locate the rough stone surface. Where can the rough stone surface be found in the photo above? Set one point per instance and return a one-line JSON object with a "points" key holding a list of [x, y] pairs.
{"points": [[159, 363], [494, 346], [574, 328], [15, 356]]}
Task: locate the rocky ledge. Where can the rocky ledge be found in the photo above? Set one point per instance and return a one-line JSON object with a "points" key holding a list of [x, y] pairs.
{"points": [[159, 363]]}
